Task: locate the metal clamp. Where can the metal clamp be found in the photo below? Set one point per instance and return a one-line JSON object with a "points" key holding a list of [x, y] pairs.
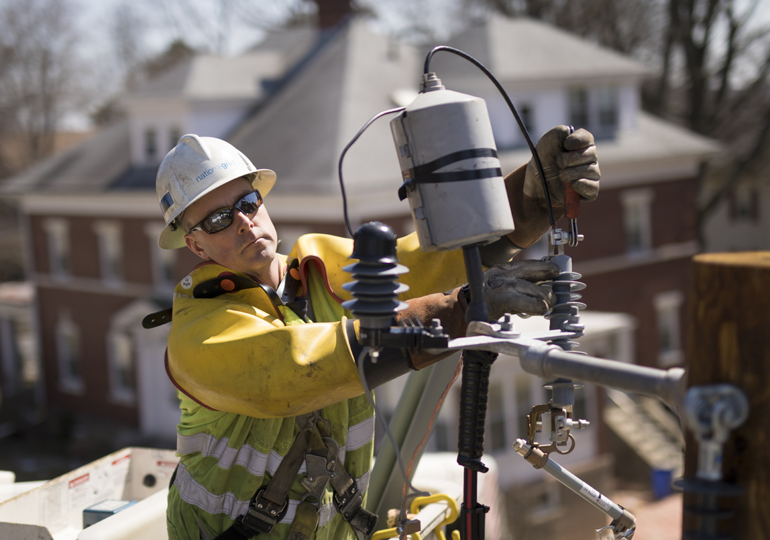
{"points": [[349, 502], [712, 412], [262, 515]]}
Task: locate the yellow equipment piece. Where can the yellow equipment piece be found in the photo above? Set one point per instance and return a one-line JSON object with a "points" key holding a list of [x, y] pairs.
{"points": [[419, 502], [393, 533]]}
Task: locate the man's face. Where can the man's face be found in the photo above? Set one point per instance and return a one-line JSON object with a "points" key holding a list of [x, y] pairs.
{"points": [[248, 245]]}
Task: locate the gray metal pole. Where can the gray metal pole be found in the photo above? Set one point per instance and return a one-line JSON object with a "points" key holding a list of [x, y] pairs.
{"points": [[550, 362]]}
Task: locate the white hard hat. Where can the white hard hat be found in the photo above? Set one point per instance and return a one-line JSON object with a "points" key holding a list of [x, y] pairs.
{"points": [[193, 168]]}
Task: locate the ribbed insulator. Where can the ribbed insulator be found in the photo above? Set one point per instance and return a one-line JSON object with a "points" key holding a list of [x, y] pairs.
{"points": [[375, 289], [564, 314]]}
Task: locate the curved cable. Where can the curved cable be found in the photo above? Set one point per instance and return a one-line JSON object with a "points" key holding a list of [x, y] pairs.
{"points": [[342, 157], [510, 106]]}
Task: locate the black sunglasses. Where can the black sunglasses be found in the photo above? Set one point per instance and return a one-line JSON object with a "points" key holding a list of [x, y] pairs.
{"points": [[223, 218]]}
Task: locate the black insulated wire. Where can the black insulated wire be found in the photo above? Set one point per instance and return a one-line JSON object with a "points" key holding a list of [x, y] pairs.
{"points": [[510, 106], [342, 157]]}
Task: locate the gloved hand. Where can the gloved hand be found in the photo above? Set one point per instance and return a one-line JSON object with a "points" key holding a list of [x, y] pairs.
{"points": [[566, 158], [515, 287], [508, 288]]}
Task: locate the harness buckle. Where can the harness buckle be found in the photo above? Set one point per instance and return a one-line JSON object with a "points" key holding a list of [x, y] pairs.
{"points": [[262, 515], [349, 502]]}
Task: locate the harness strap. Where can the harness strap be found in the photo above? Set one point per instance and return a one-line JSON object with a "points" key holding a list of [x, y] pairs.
{"points": [[269, 505]]}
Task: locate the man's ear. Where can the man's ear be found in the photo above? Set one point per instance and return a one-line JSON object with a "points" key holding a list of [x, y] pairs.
{"points": [[196, 248]]}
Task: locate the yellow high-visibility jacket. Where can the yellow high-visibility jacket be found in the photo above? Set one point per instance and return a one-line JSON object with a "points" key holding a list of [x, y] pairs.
{"points": [[245, 369]]}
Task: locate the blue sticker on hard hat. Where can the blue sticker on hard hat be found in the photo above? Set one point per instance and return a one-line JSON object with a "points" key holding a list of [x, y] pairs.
{"points": [[166, 202]]}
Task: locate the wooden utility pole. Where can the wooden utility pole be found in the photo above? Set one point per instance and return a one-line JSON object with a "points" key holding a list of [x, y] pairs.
{"points": [[729, 342]]}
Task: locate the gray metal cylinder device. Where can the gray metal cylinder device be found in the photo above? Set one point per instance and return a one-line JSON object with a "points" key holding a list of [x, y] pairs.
{"points": [[450, 167]]}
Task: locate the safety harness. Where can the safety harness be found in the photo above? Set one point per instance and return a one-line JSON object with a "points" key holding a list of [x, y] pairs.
{"points": [[313, 445], [319, 451]]}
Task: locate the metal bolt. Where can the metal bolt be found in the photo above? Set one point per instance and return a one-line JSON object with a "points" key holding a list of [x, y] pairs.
{"points": [[272, 512], [435, 327], [310, 478], [507, 323], [259, 506]]}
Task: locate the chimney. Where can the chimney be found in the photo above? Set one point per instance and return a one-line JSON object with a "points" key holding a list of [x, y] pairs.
{"points": [[332, 12]]}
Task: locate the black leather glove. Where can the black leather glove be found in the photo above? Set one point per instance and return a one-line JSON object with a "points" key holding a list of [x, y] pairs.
{"points": [[517, 287], [566, 158]]}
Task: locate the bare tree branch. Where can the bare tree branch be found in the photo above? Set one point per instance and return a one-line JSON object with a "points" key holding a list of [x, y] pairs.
{"points": [[38, 75]]}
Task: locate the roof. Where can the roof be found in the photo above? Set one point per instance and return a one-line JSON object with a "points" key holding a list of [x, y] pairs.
{"points": [[301, 131], [206, 76], [216, 77], [654, 141], [524, 49], [351, 74], [89, 167]]}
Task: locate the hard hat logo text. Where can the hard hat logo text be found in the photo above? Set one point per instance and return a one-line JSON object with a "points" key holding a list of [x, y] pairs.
{"points": [[223, 165]]}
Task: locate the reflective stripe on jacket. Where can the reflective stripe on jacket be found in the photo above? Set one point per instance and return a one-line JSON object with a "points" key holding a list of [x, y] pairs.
{"points": [[246, 368]]}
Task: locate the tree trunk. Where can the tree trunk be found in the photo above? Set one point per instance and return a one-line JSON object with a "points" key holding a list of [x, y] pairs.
{"points": [[730, 314]]}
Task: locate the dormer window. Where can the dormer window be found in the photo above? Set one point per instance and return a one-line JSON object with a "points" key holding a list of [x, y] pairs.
{"points": [[174, 134], [150, 145], [506, 130], [595, 109], [526, 115], [607, 109], [578, 108]]}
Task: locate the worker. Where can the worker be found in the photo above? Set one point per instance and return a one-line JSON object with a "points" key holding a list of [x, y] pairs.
{"points": [[276, 437]]}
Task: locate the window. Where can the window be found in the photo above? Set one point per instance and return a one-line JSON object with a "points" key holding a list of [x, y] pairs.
{"points": [[57, 238], [526, 115], [596, 110], [68, 351], [744, 204], [668, 306], [174, 134], [637, 221], [579, 115], [506, 130], [10, 358], [163, 260], [150, 145], [121, 357], [495, 432], [108, 234], [607, 105]]}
